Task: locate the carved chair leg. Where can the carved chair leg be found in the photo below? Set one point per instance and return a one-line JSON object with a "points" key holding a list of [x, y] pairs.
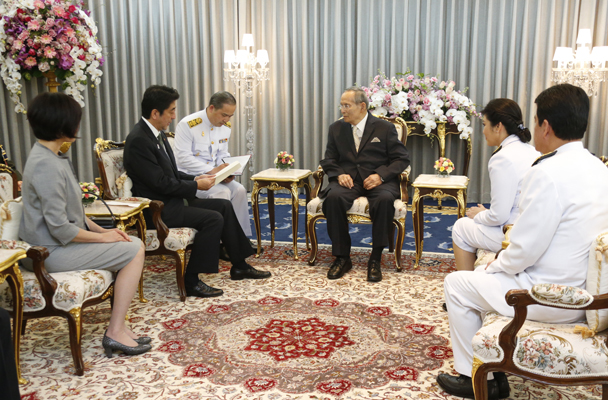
{"points": [[312, 234], [399, 244], [142, 299], [604, 392], [391, 240], [23, 325], [180, 267], [75, 330]]}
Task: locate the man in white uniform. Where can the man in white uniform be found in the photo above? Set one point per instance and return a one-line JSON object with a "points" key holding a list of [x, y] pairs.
{"points": [[563, 208], [201, 143]]}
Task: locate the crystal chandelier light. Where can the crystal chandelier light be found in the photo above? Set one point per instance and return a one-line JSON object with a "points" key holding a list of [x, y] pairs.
{"points": [[584, 67], [247, 71]]}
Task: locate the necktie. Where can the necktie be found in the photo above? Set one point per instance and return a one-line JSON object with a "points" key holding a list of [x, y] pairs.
{"points": [[356, 137], [161, 141]]}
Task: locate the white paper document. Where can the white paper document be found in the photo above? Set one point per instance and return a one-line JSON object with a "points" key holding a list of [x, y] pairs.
{"points": [[243, 160], [120, 203], [226, 172]]}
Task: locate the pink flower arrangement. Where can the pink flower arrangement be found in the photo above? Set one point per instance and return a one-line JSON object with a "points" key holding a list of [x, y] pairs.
{"points": [[284, 160], [51, 35], [90, 192], [424, 99], [444, 166]]}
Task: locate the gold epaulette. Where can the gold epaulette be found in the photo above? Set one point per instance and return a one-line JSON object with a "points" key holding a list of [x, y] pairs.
{"points": [[544, 156], [228, 124], [497, 150], [195, 122]]}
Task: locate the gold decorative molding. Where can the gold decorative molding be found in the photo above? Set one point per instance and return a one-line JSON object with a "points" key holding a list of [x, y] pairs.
{"points": [[476, 364], [75, 313], [108, 293]]}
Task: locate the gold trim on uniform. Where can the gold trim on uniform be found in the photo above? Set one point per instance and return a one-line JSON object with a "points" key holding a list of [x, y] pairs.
{"points": [[228, 124], [544, 156], [195, 122], [497, 150]]}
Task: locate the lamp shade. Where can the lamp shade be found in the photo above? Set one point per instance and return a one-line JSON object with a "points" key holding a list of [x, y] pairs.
{"points": [[241, 56], [247, 40], [599, 54], [584, 36], [262, 57], [229, 56], [563, 54]]}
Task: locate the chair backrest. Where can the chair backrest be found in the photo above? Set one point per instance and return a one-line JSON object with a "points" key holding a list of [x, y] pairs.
{"points": [[442, 131], [10, 219], [400, 125], [8, 183], [109, 157], [597, 280]]}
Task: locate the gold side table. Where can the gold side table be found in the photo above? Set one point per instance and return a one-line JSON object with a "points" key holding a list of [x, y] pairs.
{"points": [[127, 214], [274, 179], [9, 268], [438, 188]]}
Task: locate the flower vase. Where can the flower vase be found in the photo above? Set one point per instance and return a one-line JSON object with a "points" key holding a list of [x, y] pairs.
{"points": [[52, 83], [443, 174], [87, 203], [282, 167]]}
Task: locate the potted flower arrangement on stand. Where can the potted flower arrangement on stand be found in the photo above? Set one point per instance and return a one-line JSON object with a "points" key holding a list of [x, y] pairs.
{"points": [[51, 38], [425, 100], [284, 161]]}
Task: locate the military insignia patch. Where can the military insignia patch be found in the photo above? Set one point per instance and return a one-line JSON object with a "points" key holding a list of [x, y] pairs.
{"points": [[223, 140], [195, 122]]}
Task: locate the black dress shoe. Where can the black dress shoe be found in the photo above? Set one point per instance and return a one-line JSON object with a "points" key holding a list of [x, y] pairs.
{"points": [[224, 253], [203, 290], [445, 307], [248, 273], [374, 273], [503, 385], [462, 386], [339, 267]]}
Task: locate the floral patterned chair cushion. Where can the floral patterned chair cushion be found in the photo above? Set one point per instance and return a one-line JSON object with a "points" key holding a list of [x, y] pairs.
{"points": [[178, 239], [360, 207], [6, 186], [10, 218], [73, 289], [112, 162], [483, 258], [556, 350], [597, 281]]}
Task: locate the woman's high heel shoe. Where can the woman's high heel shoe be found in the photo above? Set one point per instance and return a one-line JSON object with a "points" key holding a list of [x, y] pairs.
{"points": [[143, 340], [110, 345]]}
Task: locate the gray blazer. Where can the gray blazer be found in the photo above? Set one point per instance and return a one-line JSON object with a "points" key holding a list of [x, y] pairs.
{"points": [[52, 199]]}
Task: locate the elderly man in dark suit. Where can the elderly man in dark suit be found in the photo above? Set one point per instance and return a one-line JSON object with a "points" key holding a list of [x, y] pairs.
{"points": [[364, 157], [150, 163]]}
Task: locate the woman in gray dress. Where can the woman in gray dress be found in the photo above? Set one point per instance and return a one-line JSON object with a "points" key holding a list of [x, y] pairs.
{"points": [[53, 217]]}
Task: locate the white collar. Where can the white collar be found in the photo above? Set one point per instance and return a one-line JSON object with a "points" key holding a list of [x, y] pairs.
{"points": [[570, 146], [361, 125], [155, 131]]}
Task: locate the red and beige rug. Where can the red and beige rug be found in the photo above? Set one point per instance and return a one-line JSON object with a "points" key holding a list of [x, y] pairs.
{"points": [[294, 336]]}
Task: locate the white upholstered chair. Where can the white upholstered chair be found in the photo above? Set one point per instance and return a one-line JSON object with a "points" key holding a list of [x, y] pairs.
{"points": [[63, 294], [554, 354], [160, 241], [359, 212]]}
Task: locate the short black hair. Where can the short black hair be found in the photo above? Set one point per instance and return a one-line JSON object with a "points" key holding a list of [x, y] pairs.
{"points": [[157, 97], [507, 112], [566, 108], [53, 116], [220, 98]]}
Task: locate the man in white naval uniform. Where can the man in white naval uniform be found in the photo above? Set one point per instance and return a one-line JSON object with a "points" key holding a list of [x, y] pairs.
{"points": [[201, 143], [563, 208]]}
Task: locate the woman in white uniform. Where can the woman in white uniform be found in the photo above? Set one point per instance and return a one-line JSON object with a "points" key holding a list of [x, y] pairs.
{"points": [[482, 228]]}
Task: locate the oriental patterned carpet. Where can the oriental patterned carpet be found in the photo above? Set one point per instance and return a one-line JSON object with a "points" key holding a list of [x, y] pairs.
{"points": [[294, 336]]}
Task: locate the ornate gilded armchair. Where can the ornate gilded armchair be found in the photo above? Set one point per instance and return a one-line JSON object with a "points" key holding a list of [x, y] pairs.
{"points": [[359, 212], [63, 294], [554, 354], [160, 241]]}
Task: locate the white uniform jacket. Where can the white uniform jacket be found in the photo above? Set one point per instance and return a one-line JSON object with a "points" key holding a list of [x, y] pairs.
{"points": [[564, 206], [507, 167], [200, 146]]}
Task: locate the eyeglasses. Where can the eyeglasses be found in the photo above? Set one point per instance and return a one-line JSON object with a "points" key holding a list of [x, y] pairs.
{"points": [[346, 106]]}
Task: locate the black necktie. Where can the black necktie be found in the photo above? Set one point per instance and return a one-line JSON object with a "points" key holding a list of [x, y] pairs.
{"points": [[161, 141]]}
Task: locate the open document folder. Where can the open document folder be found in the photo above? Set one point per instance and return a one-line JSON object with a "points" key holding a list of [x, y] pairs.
{"points": [[243, 160], [226, 172]]}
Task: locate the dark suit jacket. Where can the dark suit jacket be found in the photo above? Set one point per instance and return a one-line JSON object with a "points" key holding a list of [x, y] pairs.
{"points": [[380, 152], [155, 176]]}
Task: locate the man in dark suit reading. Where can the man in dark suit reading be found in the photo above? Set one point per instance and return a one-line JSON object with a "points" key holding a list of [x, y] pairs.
{"points": [[364, 157], [150, 163]]}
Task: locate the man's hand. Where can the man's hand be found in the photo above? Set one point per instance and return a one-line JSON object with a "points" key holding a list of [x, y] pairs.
{"points": [[218, 169], [473, 211], [229, 179], [346, 181], [205, 182], [372, 181]]}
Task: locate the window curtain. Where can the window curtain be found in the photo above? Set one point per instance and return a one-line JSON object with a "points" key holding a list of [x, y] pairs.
{"points": [[317, 48]]}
